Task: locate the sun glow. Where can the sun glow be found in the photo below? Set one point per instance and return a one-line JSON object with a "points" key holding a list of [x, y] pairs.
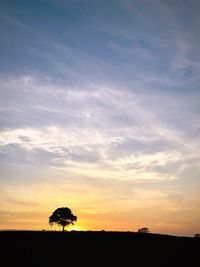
{"points": [[76, 228]]}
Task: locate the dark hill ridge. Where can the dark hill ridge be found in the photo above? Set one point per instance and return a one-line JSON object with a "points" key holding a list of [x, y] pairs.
{"points": [[91, 248]]}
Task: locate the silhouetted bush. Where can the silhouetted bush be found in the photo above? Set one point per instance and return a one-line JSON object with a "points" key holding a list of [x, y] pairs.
{"points": [[197, 235], [144, 230]]}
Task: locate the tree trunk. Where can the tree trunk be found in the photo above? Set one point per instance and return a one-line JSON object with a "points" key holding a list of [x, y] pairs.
{"points": [[63, 229]]}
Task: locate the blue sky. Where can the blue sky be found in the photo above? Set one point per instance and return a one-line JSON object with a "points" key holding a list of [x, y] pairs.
{"points": [[99, 111]]}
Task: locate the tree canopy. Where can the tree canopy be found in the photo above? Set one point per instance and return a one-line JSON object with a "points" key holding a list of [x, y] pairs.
{"points": [[63, 217]]}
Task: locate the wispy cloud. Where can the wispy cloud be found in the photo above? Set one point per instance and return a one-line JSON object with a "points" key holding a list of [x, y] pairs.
{"points": [[14, 21], [102, 133]]}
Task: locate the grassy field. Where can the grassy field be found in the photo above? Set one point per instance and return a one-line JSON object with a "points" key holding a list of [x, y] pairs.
{"points": [[29, 248]]}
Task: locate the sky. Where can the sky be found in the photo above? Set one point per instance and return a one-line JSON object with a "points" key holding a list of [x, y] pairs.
{"points": [[99, 112]]}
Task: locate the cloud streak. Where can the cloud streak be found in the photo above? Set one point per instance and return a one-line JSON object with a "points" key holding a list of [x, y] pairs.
{"points": [[100, 131]]}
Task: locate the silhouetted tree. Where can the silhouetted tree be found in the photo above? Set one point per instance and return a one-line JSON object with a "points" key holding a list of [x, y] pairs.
{"points": [[144, 230], [63, 217]]}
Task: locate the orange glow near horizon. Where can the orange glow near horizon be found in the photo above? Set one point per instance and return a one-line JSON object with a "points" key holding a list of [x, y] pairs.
{"points": [[149, 210], [100, 224]]}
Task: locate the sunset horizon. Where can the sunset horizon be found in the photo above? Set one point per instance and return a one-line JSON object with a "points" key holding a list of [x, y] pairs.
{"points": [[99, 112]]}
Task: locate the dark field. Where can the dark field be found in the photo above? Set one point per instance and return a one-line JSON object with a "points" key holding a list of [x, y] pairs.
{"points": [[29, 248]]}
